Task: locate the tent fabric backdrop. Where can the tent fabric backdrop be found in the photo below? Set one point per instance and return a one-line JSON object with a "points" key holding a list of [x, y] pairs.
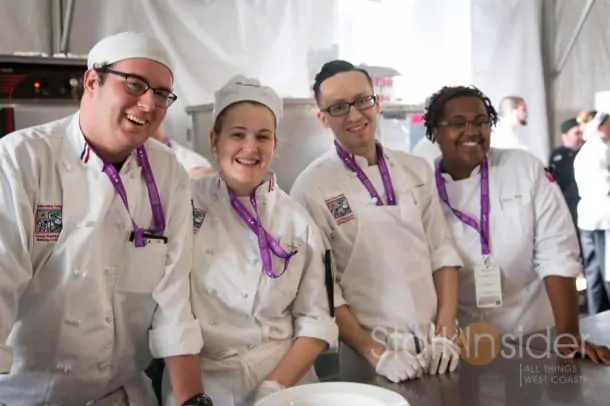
{"points": [[494, 45], [507, 60]]}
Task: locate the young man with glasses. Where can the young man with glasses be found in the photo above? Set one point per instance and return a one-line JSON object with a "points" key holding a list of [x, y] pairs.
{"points": [[396, 266], [96, 244]]}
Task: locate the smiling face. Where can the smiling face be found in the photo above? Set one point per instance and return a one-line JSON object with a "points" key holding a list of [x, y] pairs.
{"points": [[354, 130], [244, 143], [463, 132], [121, 119]]}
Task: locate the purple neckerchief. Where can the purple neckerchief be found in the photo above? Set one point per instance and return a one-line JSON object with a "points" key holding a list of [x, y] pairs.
{"points": [[153, 194], [266, 243], [350, 162], [483, 230]]}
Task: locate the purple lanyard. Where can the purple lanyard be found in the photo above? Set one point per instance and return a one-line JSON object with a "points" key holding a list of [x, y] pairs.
{"points": [[350, 162], [168, 142], [266, 243], [153, 194], [483, 230]]}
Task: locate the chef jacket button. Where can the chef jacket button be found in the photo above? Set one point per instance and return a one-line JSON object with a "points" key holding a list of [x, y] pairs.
{"points": [[209, 251], [210, 291], [251, 346], [245, 295], [108, 319], [103, 365], [213, 322]]}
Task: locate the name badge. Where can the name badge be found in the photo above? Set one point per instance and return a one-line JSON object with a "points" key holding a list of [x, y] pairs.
{"points": [[488, 285]]}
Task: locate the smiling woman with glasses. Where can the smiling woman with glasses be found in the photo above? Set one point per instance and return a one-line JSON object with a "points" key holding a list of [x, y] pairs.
{"points": [[509, 222], [138, 85]]}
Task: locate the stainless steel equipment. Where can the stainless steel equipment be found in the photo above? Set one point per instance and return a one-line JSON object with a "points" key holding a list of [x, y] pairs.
{"points": [[302, 138], [36, 90]]}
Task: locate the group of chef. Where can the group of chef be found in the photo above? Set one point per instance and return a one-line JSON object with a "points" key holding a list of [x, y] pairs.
{"points": [[110, 255]]}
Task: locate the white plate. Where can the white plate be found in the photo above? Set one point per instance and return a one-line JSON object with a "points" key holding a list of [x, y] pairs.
{"points": [[333, 394]]}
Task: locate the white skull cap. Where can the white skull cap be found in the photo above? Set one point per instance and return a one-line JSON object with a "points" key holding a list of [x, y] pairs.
{"points": [[127, 45], [239, 89]]}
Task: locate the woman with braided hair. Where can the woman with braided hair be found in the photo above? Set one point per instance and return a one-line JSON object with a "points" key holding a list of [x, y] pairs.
{"points": [[510, 225]]}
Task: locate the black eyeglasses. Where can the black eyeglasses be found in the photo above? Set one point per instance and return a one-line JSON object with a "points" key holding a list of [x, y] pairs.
{"points": [[137, 86], [360, 103], [463, 125]]}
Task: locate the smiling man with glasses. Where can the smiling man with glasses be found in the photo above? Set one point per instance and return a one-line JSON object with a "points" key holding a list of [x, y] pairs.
{"points": [[396, 296], [96, 244]]}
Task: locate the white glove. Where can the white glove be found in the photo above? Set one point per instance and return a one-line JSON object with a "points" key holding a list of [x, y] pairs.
{"points": [[399, 366], [267, 388], [442, 354]]}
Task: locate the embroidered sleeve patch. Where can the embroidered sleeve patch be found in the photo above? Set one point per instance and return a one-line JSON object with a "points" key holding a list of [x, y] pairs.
{"points": [[48, 222], [340, 209], [198, 219]]}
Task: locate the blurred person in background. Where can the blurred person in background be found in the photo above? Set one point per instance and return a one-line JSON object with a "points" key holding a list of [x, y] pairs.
{"points": [[513, 116], [561, 163], [592, 174], [194, 163]]}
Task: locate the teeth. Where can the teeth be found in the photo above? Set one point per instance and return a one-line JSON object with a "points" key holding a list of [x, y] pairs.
{"points": [[470, 143], [247, 161], [358, 128], [135, 119]]}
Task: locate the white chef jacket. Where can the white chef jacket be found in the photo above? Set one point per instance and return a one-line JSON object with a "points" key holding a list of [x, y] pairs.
{"points": [[531, 237], [592, 175], [189, 159], [427, 149], [248, 319], [81, 308], [385, 255]]}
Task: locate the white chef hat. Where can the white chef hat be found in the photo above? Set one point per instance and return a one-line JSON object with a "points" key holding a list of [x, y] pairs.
{"points": [[127, 45], [240, 89]]}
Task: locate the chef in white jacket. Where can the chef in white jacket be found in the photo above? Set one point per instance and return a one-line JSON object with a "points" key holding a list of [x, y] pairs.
{"points": [[395, 259], [592, 175], [258, 285], [194, 163], [95, 248], [510, 223]]}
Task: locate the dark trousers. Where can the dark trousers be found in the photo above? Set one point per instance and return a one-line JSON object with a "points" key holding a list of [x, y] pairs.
{"points": [[155, 373], [594, 257]]}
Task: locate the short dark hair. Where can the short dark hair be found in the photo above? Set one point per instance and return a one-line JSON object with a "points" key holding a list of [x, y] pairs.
{"points": [[332, 68], [436, 103]]}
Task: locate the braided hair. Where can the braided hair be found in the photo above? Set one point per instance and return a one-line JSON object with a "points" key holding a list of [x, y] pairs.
{"points": [[436, 103]]}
